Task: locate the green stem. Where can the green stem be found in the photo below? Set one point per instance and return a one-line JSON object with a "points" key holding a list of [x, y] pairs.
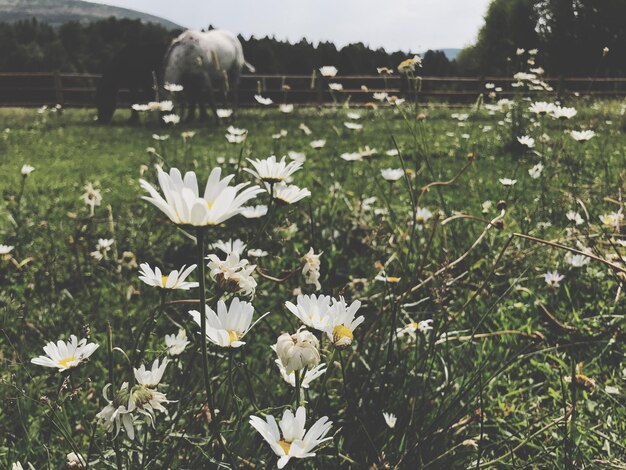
{"points": [[202, 309]]}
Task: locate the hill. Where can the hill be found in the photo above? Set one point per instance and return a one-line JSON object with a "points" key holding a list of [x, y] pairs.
{"points": [[57, 12]]}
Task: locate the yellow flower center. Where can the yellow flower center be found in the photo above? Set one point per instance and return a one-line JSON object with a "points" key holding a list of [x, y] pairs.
{"points": [[393, 279], [342, 335], [66, 361], [233, 335], [414, 325], [285, 446], [209, 205], [163, 281]]}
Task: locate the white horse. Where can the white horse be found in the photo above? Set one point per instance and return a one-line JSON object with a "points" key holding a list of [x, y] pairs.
{"points": [[202, 62]]}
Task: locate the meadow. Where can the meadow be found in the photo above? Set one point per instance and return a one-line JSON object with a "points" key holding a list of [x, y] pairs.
{"points": [[488, 267]]}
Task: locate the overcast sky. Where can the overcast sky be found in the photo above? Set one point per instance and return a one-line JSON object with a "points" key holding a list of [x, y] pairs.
{"points": [[414, 25]]}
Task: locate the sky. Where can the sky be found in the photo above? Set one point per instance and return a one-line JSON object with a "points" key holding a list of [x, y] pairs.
{"points": [[415, 25]]}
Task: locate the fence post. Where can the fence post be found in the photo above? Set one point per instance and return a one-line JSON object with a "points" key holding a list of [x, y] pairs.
{"points": [[58, 87]]}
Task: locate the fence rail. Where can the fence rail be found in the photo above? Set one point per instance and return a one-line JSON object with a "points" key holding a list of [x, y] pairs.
{"points": [[78, 90]]}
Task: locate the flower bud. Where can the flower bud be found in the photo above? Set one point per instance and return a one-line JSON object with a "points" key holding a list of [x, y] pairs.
{"points": [[298, 350]]}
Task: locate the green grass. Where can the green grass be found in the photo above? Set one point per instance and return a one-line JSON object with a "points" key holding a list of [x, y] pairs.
{"points": [[495, 394]]}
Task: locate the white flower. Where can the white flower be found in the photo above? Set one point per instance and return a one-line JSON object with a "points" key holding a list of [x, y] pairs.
{"points": [[410, 329], [582, 136], [235, 139], [353, 126], [559, 112], [65, 355], [281, 134], [160, 138], [574, 217], [519, 51], [535, 171], [232, 274], [294, 443], [577, 261], [229, 325], [392, 174], [257, 253], [409, 65], [351, 156], [173, 87], [173, 280], [289, 194], [312, 310], [183, 205], [422, 215], [151, 378], [102, 248], [318, 144], [117, 413], [613, 219], [304, 128], [171, 119], [309, 375], [140, 107], [272, 171], [390, 419], [380, 96], [486, 206], [236, 130], [17, 466], [27, 170], [6, 249], [354, 116], [166, 106], [176, 344], [311, 268], [367, 151], [75, 461], [298, 351], [335, 86], [541, 107], [507, 181], [92, 197], [254, 212], [297, 156], [328, 71], [224, 113], [264, 101], [343, 322], [553, 278], [229, 246], [526, 141], [285, 108]]}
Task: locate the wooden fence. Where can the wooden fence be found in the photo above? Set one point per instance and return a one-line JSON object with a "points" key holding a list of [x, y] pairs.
{"points": [[78, 90]]}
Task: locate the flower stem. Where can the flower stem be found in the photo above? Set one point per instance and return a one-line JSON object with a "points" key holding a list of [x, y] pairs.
{"points": [[202, 309]]}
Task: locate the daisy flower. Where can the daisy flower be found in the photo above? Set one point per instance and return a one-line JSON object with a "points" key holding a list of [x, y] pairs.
{"points": [[229, 246], [342, 326], [262, 100], [285, 108], [526, 141], [254, 212], [309, 375], [390, 419], [288, 438], [176, 344], [182, 203], [298, 351], [271, 171], [232, 274], [65, 355], [27, 170], [311, 269], [318, 144], [229, 325], [553, 278], [328, 71], [290, 194], [312, 310], [582, 136], [6, 249], [392, 174], [224, 113], [173, 280]]}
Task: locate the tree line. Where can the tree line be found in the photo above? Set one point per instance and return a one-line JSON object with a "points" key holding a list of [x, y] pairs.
{"points": [[32, 46]]}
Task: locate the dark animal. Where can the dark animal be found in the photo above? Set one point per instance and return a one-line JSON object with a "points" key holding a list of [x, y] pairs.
{"points": [[132, 68]]}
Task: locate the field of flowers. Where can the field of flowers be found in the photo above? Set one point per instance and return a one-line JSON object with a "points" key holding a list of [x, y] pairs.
{"points": [[409, 287]]}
